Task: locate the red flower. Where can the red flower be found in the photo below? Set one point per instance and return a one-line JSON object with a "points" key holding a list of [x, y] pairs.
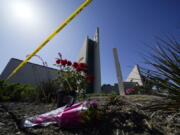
{"points": [[69, 63], [83, 65], [58, 61], [63, 62], [85, 70], [90, 79], [81, 69], [75, 65], [78, 69]]}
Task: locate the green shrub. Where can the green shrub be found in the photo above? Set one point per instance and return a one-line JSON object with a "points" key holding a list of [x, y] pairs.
{"points": [[46, 91], [15, 91], [96, 94], [101, 94], [91, 116], [165, 66]]}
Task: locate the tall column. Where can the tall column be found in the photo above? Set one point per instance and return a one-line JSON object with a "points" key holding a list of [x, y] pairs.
{"points": [[90, 53], [118, 72], [97, 62]]}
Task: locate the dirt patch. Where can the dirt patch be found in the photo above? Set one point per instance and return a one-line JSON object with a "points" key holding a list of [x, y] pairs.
{"points": [[136, 115]]}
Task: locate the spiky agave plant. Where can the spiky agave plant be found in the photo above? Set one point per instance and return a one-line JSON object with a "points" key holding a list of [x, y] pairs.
{"points": [[165, 63]]}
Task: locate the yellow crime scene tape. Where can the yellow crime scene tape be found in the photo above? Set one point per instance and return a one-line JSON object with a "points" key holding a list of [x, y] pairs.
{"points": [[68, 20]]}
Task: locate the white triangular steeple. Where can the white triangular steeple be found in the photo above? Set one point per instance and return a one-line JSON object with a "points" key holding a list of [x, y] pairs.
{"points": [[135, 76]]}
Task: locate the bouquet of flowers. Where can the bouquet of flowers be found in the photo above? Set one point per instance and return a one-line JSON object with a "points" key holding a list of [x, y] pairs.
{"points": [[73, 76]]}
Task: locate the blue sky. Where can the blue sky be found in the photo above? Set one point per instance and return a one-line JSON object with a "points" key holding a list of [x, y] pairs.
{"points": [[124, 24]]}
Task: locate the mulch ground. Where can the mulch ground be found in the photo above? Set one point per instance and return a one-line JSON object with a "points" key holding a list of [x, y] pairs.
{"points": [[129, 115]]}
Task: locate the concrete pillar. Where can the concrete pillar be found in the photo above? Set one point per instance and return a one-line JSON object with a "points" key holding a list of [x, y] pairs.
{"points": [[97, 62], [118, 72], [90, 53]]}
